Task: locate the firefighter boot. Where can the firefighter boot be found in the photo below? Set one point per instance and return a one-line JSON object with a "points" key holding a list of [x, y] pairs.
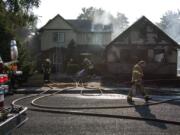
{"points": [[129, 99], [147, 98], [3, 115]]}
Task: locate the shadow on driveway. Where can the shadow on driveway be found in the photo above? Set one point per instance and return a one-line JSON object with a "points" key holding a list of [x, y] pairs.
{"points": [[145, 112]]}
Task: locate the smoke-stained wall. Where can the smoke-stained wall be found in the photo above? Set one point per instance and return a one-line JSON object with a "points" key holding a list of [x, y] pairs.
{"points": [[143, 41]]}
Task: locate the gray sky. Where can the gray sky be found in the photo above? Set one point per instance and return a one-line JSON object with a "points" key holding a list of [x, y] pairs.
{"points": [[133, 9]]}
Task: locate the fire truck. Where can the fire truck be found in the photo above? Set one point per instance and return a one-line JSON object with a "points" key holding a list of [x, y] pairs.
{"points": [[10, 117]]}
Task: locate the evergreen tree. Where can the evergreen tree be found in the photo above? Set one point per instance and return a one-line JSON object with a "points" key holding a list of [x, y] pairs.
{"points": [[16, 15]]}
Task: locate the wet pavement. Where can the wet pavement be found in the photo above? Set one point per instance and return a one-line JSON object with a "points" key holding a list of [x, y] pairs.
{"points": [[40, 123], [120, 90]]}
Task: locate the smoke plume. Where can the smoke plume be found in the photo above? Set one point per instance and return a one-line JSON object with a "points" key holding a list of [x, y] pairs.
{"points": [[105, 21]]}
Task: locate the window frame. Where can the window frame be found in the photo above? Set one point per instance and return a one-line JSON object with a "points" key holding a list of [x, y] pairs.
{"points": [[57, 37]]}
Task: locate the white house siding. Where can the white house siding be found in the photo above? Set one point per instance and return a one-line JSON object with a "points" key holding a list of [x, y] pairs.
{"points": [[58, 23], [47, 39], [92, 38]]}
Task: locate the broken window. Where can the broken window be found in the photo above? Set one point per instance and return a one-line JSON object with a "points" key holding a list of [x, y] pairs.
{"points": [[159, 55]]}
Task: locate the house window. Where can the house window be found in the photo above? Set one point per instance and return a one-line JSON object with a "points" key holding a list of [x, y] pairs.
{"points": [[59, 37]]}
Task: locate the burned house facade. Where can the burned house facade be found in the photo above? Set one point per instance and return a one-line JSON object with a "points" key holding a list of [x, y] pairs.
{"points": [[61, 39], [143, 41]]}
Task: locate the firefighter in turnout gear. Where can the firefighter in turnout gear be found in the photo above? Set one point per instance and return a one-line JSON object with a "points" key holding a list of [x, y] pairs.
{"points": [[47, 70], [137, 75], [88, 66]]}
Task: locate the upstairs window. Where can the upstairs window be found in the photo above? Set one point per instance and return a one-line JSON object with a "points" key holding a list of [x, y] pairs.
{"points": [[59, 37]]}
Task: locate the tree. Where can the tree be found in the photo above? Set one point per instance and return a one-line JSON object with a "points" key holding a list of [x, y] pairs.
{"points": [[121, 20], [20, 12], [16, 15], [120, 23], [89, 13], [170, 23], [25, 62]]}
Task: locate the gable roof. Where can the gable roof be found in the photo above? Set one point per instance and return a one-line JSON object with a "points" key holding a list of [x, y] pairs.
{"points": [[43, 27], [88, 26], [138, 23], [79, 25]]}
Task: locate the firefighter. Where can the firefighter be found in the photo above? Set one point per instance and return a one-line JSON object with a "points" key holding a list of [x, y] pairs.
{"points": [[137, 75], [47, 70], [88, 66]]}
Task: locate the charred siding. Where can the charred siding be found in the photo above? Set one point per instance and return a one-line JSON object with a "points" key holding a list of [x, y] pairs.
{"points": [[143, 41]]}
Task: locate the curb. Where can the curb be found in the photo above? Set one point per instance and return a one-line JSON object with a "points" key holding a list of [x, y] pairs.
{"points": [[104, 91]]}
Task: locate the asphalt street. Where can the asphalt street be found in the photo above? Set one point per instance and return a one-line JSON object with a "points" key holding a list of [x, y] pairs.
{"points": [[42, 123]]}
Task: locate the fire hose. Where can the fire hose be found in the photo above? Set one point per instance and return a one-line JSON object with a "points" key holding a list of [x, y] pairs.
{"points": [[65, 110]]}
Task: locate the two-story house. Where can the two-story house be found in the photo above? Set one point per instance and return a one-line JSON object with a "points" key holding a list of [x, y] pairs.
{"points": [[58, 34]]}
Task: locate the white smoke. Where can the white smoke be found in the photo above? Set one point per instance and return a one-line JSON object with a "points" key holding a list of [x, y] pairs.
{"points": [[173, 29], [106, 22], [104, 18], [172, 24]]}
